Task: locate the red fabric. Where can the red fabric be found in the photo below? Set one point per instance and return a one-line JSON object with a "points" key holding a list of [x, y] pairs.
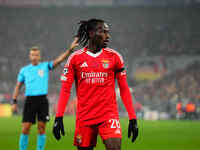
{"points": [[190, 107], [126, 94], [179, 107], [64, 97], [95, 86], [86, 136]]}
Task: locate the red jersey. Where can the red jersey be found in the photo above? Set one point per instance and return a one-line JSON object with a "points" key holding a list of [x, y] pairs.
{"points": [[94, 76]]}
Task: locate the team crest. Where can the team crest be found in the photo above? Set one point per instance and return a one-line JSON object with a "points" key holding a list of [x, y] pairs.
{"points": [[41, 73], [79, 139], [105, 63], [65, 71]]}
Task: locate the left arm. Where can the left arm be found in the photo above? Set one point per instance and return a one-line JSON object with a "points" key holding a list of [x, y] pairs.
{"points": [[67, 79], [128, 102], [66, 54], [126, 97], [126, 94]]}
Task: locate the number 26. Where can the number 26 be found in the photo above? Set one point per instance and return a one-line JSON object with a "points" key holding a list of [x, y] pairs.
{"points": [[114, 123]]}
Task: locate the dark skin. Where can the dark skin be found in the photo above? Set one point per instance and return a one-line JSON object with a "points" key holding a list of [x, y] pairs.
{"points": [[98, 40]]}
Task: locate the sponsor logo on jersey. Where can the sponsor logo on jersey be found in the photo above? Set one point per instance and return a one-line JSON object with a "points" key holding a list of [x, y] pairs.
{"points": [[84, 65], [105, 63], [94, 74], [79, 139], [41, 73], [94, 77]]}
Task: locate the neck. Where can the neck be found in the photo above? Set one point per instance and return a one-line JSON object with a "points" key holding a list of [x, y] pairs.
{"points": [[35, 64], [93, 47]]}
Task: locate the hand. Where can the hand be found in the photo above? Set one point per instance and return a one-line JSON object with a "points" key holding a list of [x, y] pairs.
{"points": [[74, 44], [14, 108], [58, 128], [14, 105], [133, 129]]}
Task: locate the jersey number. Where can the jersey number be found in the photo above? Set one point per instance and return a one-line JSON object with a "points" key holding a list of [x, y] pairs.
{"points": [[114, 123]]}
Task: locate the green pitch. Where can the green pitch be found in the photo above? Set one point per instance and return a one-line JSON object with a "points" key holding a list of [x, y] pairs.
{"points": [[154, 135]]}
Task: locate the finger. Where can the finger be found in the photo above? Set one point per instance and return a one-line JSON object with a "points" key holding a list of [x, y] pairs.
{"points": [[133, 139], [75, 40], [62, 130], [14, 109], [75, 43], [135, 135], [129, 131], [56, 133]]}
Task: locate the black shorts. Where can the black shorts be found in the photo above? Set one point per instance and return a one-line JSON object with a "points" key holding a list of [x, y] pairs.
{"points": [[36, 107]]}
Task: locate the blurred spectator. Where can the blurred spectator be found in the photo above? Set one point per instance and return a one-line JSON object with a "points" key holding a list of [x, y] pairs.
{"points": [[191, 111], [179, 109], [139, 110]]}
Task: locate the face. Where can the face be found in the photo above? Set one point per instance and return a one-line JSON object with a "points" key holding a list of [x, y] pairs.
{"points": [[34, 56], [101, 36]]}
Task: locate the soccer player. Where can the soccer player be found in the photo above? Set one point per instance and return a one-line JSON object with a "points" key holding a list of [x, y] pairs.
{"points": [[94, 69], [35, 78]]}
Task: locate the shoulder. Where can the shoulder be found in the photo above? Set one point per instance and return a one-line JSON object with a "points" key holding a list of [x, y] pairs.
{"points": [[114, 53], [44, 63], [74, 55], [25, 68], [77, 53], [47, 64]]}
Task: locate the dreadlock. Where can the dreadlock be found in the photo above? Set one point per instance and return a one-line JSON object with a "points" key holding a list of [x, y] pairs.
{"points": [[84, 29]]}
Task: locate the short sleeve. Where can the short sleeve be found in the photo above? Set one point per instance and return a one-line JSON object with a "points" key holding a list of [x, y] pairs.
{"points": [[119, 63], [68, 71], [21, 77], [50, 65]]}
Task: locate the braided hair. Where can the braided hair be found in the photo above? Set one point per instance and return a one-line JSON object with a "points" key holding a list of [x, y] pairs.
{"points": [[84, 29]]}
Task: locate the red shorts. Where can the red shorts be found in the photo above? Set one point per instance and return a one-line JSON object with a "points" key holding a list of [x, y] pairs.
{"points": [[86, 136]]}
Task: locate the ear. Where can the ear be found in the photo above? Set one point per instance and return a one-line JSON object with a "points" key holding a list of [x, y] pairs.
{"points": [[91, 34]]}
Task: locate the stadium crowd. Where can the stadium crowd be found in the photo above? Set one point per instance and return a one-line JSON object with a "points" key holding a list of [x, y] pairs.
{"points": [[180, 86]]}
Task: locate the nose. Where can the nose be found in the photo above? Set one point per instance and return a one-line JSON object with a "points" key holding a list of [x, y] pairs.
{"points": [[107, 36]]}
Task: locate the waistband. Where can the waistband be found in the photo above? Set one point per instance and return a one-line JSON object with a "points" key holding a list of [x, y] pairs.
{"points": [[39, 96]]}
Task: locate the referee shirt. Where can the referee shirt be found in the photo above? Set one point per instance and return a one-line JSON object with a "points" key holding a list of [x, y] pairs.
{"points": [[35, 78]]}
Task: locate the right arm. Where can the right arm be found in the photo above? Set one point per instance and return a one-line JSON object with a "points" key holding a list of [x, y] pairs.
{"points": [[63, 99], [15, 95], [17, 90], [20, 81], [67, 79]]}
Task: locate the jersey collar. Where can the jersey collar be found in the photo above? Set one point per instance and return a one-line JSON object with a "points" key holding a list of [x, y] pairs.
{"points": [[93, 54], [34, 65]]}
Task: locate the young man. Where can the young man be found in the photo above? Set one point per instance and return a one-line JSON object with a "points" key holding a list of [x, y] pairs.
{"points": [[35, 78], [94, 69]]}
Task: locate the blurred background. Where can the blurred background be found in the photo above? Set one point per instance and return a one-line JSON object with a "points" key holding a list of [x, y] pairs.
{"points": [[158, 39]]}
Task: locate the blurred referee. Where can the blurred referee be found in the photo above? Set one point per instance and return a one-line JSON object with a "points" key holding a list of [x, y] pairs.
{"points": [[35, 78]]}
